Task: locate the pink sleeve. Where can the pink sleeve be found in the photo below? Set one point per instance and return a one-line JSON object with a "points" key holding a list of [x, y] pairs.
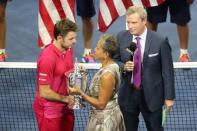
{"points": [[45, 71]]}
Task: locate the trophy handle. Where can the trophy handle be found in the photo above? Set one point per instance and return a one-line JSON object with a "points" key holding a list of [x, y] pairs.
{"points": [[84, 82]]}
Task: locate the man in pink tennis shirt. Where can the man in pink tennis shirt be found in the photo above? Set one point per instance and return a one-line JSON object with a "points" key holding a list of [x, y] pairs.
{"points": [[52, 100]]}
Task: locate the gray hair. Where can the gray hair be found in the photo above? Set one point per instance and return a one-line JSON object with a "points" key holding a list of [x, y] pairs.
{"points": [[139, 10], [109, 44]]}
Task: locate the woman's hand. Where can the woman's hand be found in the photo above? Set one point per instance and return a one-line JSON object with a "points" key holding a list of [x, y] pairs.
{"points": [[75, 90]]}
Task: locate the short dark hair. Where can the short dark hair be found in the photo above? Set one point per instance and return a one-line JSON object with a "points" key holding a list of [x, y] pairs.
{"points": [[64, 26], [109, 44]]}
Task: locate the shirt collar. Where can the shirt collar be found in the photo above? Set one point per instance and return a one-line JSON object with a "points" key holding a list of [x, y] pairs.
{"points": [[142, 36], [57, 51]]}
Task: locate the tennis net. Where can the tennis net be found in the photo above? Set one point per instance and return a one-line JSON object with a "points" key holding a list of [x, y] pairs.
{"points": [[17, 90]]}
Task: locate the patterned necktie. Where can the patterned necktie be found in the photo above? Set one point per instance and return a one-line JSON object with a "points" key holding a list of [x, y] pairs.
{"points": [[137, 64]]}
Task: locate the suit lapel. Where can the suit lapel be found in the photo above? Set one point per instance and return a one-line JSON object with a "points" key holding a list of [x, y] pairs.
{"points": [[126, 40], [129, 37], [147, 46]]}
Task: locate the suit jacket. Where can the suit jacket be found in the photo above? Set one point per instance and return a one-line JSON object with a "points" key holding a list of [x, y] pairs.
{"points": [[157, 71]]}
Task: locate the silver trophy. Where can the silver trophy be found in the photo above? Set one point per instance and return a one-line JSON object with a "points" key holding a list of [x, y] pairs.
{"points": [[80, 77]]}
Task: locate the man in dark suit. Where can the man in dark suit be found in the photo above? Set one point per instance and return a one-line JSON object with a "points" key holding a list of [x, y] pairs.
{"points": [[156, 85]]}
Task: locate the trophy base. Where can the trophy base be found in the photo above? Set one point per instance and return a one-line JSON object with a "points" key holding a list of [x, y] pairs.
{"points": [[78, 103]]}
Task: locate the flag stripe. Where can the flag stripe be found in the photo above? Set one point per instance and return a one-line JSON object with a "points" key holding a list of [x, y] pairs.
{"points": [[105, 13], [68, 7], [153, 2], [59, 8], [159, 2], [40, 42], [52, 11], [46, 19], [101, 24], [127, 3], [119, 6], [43, 33], [146, 3], [112, 10]]}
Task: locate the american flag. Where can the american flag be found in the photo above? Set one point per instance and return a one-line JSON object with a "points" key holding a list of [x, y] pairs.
{"points": [[50, 11], [110, 10]]}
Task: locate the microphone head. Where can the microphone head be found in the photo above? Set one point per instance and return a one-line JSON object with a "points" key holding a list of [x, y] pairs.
{"points": [[132, 46]]}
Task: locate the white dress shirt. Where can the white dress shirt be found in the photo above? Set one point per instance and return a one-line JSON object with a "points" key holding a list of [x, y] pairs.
{"points": [[142, 41]]}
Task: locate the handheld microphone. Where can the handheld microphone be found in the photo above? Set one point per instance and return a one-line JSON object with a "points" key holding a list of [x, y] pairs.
{"points": [[132, 47]]}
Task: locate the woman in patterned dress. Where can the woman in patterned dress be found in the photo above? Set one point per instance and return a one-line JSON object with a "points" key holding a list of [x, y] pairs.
{"points": [[105, 114]]}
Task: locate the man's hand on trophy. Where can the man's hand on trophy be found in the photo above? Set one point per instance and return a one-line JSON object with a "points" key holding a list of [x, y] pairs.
{"points": [[79, 94], [69, 100]]}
